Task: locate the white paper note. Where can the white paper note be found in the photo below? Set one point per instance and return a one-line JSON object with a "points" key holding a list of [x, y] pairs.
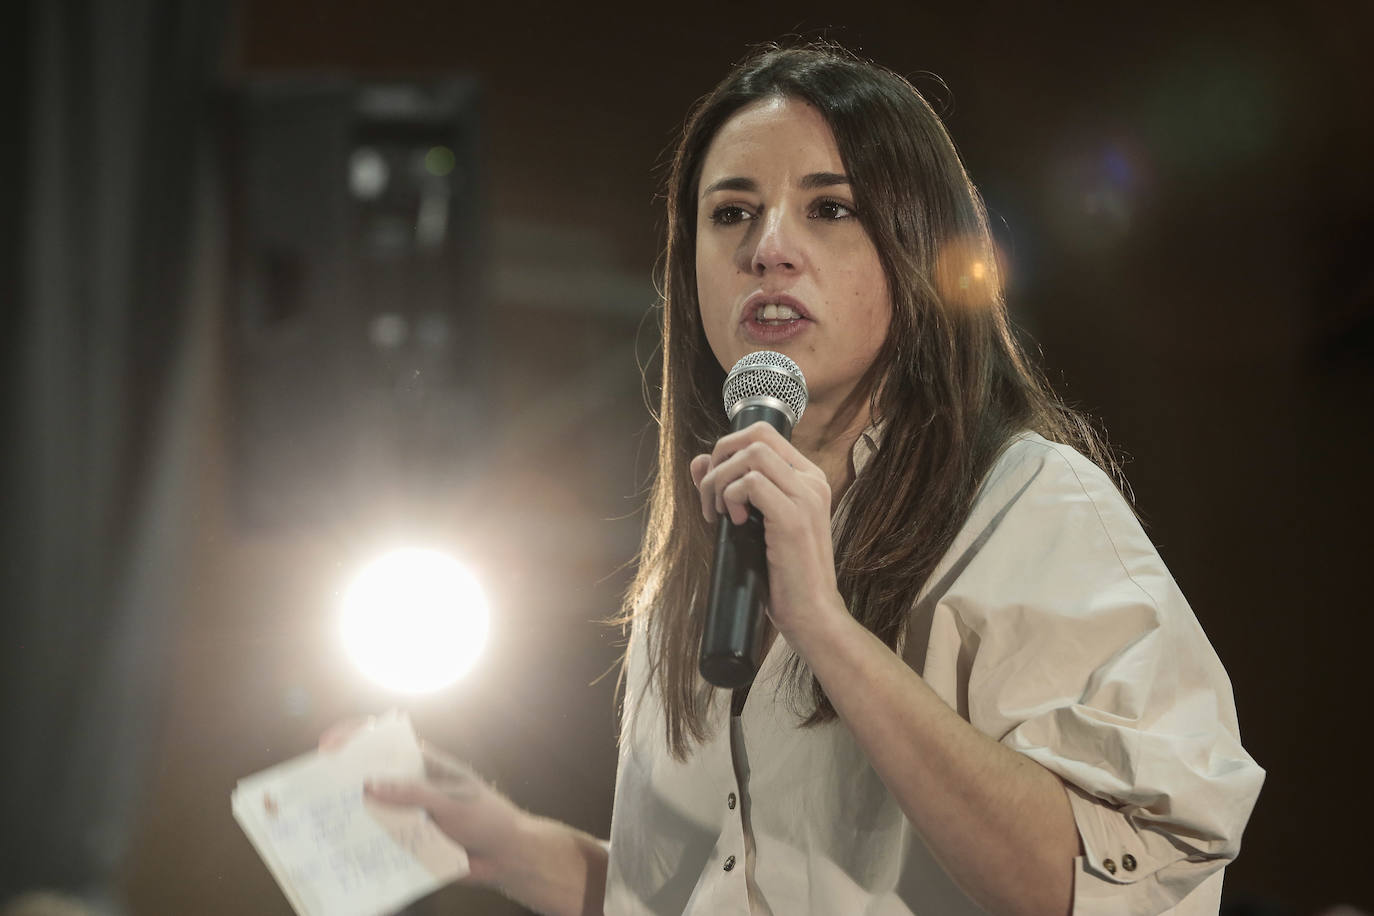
{"points": [[334, 852]]}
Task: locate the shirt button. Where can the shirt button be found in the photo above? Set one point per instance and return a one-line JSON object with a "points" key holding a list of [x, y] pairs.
{"points": [[1109, 865], [730, 801], [1128, 862], [729, 862]]}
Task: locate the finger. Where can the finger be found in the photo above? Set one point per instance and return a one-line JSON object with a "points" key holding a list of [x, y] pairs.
{"points": [[757, 490], [731, 443], [762, 435], [757, 457], [722, 473], [338, 734], [445, 767], [761, 447], [793, 492], [416, 794], [700, 466]]}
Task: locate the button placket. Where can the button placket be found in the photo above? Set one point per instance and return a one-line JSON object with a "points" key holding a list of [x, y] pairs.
{"points": [[734, 827]]}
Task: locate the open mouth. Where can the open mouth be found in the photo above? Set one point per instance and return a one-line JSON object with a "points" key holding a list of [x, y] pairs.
{"points": [[773, 321]]}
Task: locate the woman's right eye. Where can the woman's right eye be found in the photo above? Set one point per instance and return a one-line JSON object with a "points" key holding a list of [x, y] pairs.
{"points": [[729, 215]]}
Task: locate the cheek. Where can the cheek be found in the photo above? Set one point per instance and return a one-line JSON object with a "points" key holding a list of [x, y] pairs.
{"points": [[877, 298], [872, 312], [866, 291], [712, 303], [882, 312], [714, 275], [706, 267]]}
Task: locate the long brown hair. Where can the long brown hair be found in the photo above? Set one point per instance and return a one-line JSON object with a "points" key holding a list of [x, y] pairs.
{"points": [[953, 386]]}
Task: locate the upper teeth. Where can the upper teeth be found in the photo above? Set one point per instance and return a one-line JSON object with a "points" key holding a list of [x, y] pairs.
{"points": [[773, 310]]}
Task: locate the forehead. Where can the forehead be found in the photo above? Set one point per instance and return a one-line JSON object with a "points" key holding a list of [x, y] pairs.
{"points": [[772, 134]]}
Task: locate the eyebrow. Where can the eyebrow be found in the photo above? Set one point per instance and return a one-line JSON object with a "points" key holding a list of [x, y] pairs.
{"points": [[808, 183]]}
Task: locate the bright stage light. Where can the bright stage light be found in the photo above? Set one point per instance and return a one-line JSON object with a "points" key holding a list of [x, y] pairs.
{"points": [[414, 621]]}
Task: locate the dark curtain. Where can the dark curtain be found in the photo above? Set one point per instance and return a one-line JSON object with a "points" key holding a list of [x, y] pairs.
{"points": [[105, 283]]}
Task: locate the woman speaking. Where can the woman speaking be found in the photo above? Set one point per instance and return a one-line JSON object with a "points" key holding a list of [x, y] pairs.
{"points": [[980, 688]]}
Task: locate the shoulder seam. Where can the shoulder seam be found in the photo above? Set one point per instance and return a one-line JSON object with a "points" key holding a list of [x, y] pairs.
{"points": [[1106, 530]]}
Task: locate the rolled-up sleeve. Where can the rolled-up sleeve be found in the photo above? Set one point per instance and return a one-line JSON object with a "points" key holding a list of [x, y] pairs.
{"points": [[1079, 651]]}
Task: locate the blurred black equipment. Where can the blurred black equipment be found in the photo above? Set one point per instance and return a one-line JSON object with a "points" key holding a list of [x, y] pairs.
{"points": [[356, 293]]}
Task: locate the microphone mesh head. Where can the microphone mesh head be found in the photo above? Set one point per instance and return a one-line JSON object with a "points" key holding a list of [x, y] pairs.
{"points": [[766, 375]]}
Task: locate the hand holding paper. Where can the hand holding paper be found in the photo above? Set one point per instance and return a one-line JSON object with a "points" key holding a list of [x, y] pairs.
{"points": [[333, 850], [468, 811]]}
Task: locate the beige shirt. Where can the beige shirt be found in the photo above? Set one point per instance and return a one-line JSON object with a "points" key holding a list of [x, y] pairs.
{"points": [[1052, 626]]}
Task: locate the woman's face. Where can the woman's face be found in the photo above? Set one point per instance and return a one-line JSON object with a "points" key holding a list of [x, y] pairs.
{"points": [[782, 261]]}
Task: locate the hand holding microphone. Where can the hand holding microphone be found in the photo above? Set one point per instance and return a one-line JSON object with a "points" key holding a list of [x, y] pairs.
{"points": [[754, 474]]}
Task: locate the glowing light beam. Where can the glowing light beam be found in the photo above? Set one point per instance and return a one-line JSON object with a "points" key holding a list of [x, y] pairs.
{"points": [[414, 621]]}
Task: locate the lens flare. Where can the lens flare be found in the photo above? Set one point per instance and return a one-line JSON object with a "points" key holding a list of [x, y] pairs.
{"points": [[414, 621], [439, 161], [969, 271]]}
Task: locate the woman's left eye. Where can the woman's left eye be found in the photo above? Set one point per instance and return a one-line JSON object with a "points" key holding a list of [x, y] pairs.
{"points": [[831, 210]]}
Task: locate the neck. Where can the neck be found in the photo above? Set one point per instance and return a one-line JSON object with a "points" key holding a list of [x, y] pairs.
{"points": [[827, 435]]}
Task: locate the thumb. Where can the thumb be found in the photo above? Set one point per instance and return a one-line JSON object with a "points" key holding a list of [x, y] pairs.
{"points": [[389, 792]]}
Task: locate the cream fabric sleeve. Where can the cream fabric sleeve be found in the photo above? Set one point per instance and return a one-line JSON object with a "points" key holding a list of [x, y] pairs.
{"points": [[1078, 650]]}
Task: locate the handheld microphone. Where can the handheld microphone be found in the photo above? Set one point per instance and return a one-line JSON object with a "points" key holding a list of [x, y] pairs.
{"points": [[763, 386]]}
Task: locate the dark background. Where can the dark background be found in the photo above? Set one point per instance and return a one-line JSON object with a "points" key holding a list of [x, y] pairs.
{"points": [[1184, 199]]}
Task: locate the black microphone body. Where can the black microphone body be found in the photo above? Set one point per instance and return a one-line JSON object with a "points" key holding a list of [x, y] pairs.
{"points": [[732, 642]]}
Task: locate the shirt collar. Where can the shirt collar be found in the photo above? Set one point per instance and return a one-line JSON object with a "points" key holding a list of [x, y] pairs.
{"points": [[866, 446]]}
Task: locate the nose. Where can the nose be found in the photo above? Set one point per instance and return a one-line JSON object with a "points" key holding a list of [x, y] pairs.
{"points": [[777, 245]]}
